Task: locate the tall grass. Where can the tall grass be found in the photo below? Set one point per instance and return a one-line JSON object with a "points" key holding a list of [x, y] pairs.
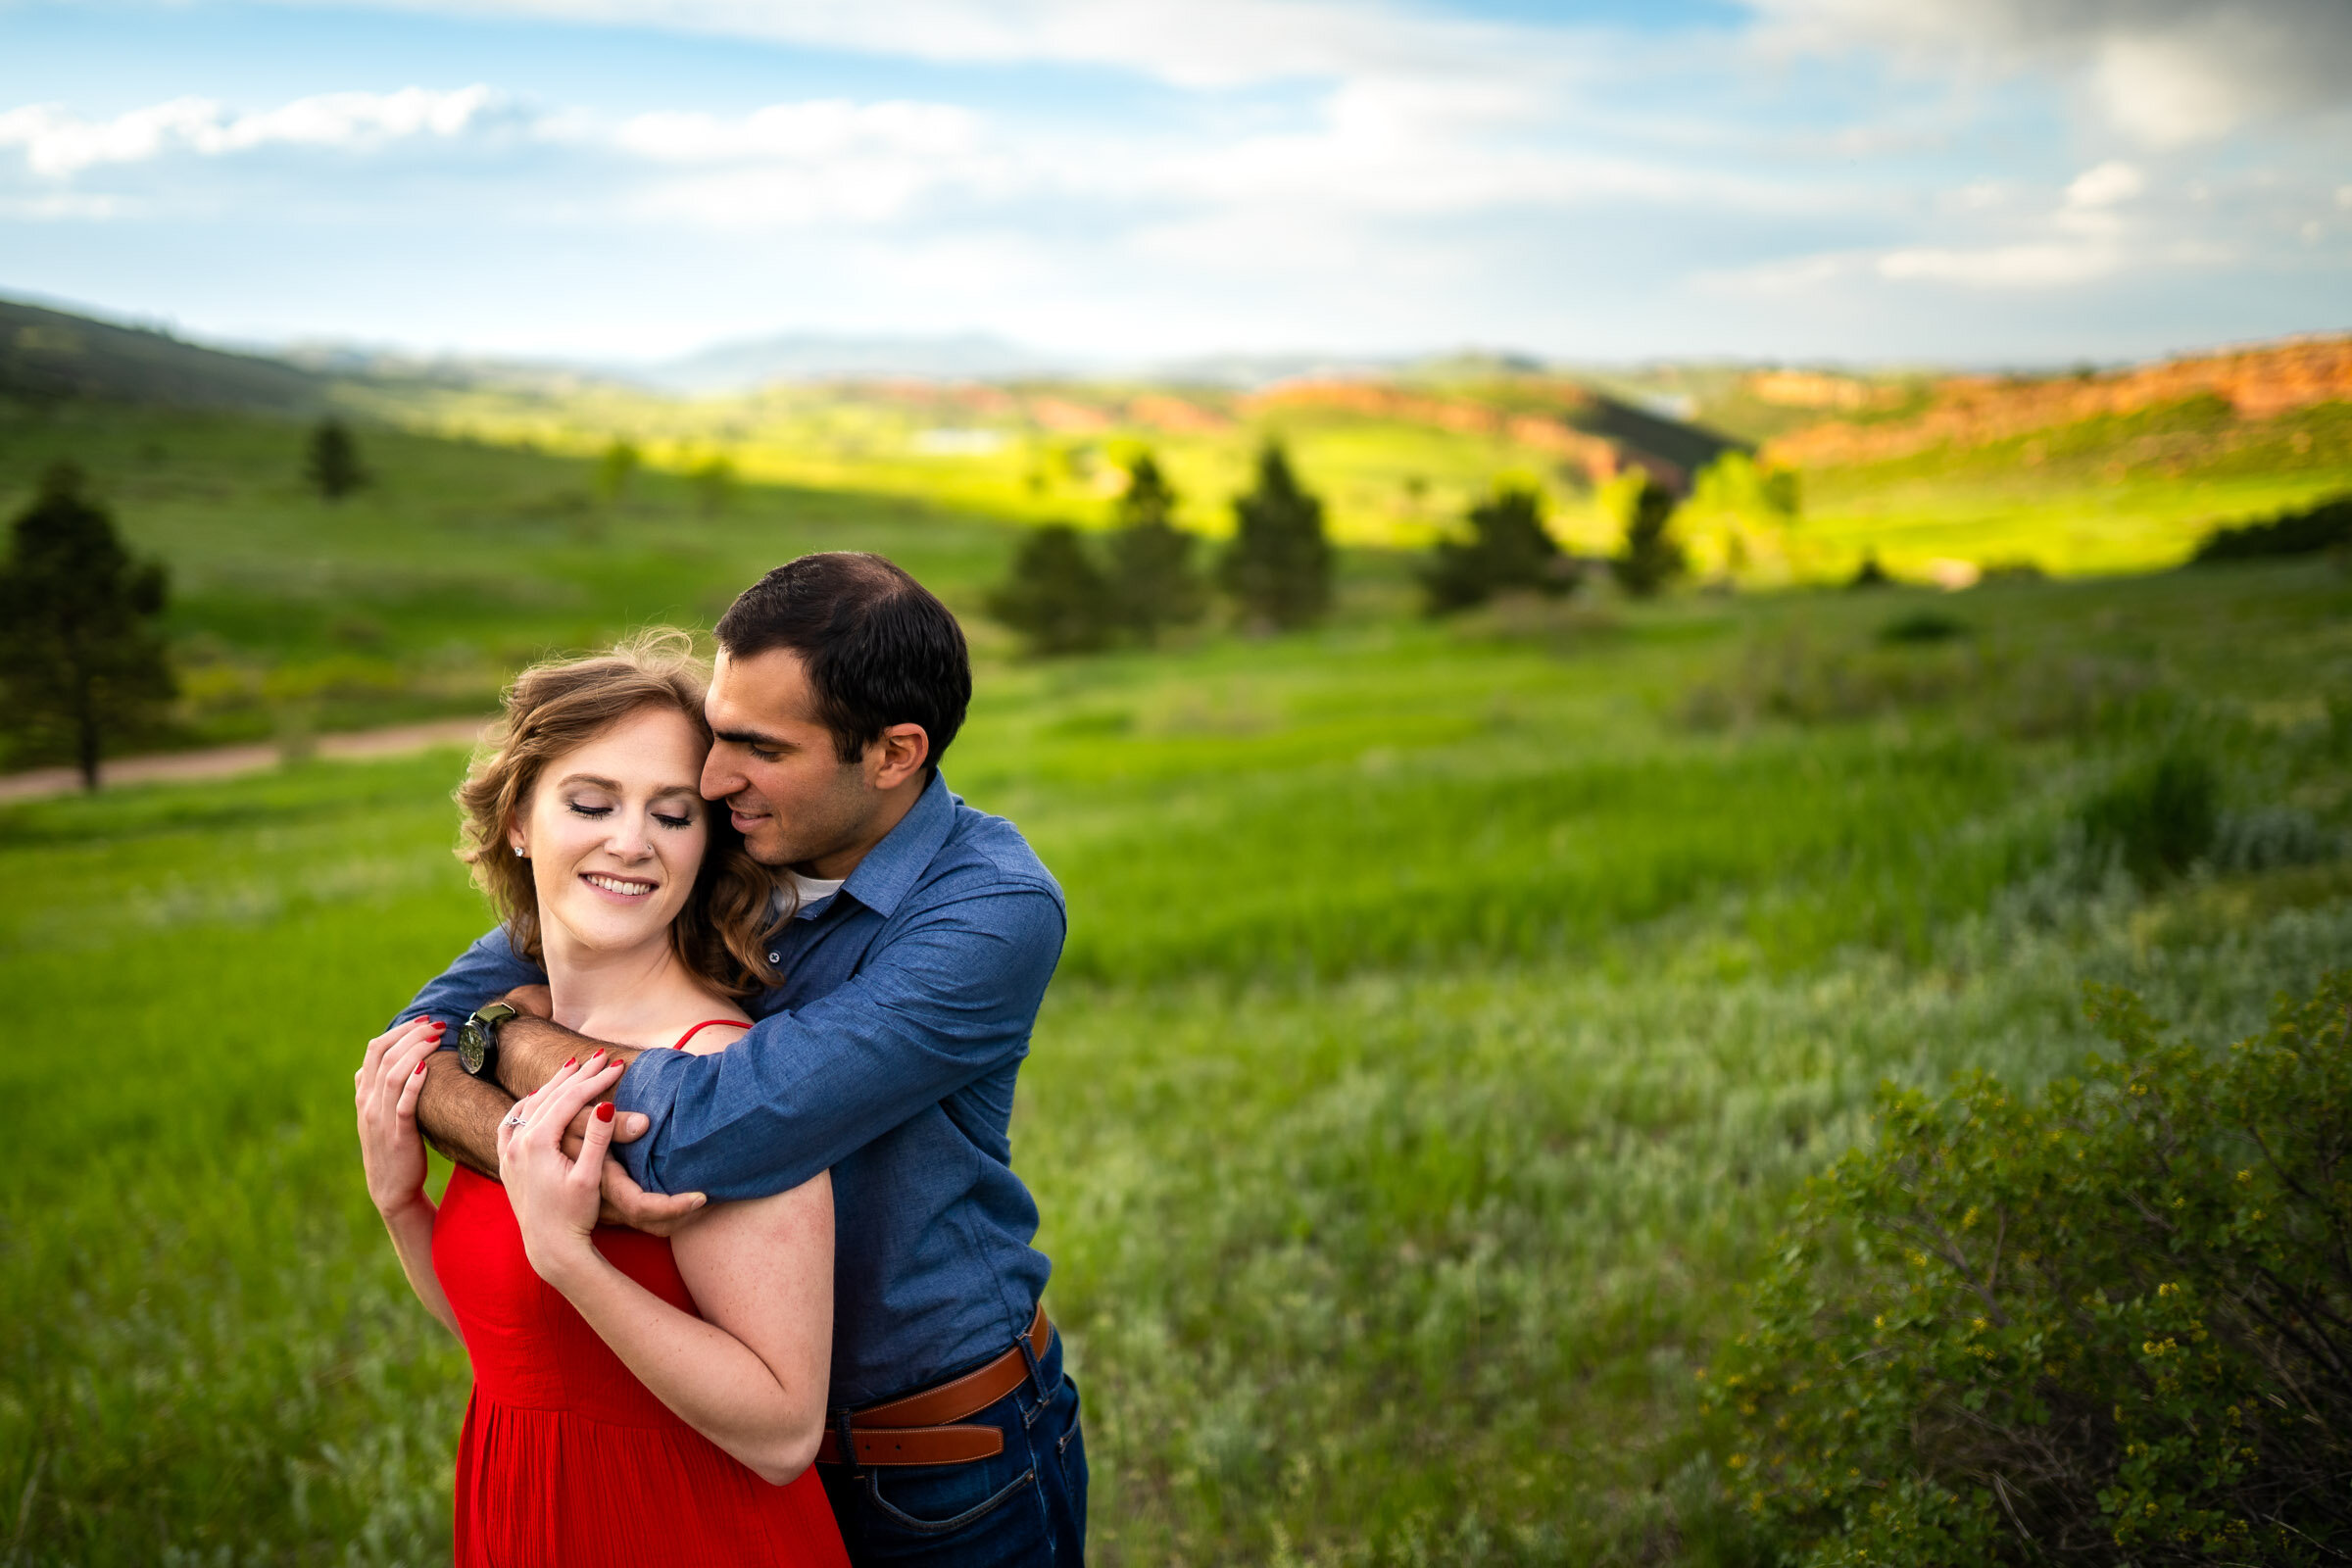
{"points": [[1445, 1020]]}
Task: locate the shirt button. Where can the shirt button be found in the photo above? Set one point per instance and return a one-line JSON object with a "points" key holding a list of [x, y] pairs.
{"points": [[775, 958]]}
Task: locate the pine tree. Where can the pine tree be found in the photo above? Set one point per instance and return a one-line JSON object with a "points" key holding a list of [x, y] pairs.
{"points": [[1652, 556], [79, 654], [1153, 584], [614, 469], [1055, 596], [332, 464], [1278, 567], [1508, 548]]}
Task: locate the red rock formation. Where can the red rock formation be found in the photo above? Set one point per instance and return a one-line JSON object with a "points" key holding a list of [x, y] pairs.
{"points": [[1971, 411]]}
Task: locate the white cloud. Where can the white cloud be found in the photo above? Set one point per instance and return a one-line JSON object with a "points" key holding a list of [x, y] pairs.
{"points": [[800, 132], [2167, 71], [2106, 186], [1192, 43], [58, 144], [2045, 264]]}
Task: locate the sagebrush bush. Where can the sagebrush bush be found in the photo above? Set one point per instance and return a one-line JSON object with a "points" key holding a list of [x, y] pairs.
{"points": [[2109, 1322]]}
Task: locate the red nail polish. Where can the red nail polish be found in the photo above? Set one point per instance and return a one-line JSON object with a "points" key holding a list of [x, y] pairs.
{"points": [[604, 1112], [570, 1060], [420, 1069]]}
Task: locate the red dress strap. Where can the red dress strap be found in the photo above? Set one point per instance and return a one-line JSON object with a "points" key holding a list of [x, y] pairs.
{"points": [[709, 1024]]}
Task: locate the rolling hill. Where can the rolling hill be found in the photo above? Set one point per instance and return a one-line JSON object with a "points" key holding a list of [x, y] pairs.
{"points": [[48, 355]]}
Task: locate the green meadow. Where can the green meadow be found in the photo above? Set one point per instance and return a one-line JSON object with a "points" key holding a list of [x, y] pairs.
{"points": [[1450, 1013]]}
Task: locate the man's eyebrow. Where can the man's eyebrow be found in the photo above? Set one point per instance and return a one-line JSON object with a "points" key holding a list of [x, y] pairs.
{"points": [[753, 736]]}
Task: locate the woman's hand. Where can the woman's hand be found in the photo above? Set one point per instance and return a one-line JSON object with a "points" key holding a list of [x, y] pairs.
{"points": [[384, 1090], [555, 1196]]}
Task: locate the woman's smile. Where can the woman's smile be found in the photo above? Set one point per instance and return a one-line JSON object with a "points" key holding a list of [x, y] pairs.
{"points": [[627, 889]]}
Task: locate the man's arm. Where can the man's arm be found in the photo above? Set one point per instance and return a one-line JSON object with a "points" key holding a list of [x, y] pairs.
{"points": [[944, 1001], [459, 1114]]}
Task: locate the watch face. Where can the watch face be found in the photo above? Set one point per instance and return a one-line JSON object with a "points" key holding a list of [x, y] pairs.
{"points": [[473, 1046]]}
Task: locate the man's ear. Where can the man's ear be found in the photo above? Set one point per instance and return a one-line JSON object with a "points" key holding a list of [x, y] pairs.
{"points": [[899, 756]]}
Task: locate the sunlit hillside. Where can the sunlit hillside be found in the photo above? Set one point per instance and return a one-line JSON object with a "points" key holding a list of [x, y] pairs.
{"points": [[1939, 478]]}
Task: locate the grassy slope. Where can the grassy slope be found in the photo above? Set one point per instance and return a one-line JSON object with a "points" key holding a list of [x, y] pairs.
{"points": [[1443, 1022], [417, 595], [2121, 493], [1388, 482]]}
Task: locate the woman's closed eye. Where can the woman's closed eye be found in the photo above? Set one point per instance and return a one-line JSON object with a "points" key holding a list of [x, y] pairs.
{"points": [[590, 811], [674, 822]]}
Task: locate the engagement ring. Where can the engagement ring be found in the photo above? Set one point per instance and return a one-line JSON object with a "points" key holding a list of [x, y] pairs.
{"points": [[516, 1120]]}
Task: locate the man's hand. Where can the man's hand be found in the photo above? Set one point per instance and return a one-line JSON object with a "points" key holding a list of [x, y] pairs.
{"points": [[533, 1050], [655, 1213]]}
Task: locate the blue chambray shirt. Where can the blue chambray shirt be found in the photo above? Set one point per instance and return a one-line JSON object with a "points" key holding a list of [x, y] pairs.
{"points": [[889, 1057]]}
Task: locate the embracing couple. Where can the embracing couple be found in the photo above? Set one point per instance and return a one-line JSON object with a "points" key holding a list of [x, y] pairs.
{"points": [[734, 1243]]}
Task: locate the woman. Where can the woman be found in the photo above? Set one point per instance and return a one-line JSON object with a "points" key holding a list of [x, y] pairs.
{"points": [[635, 1400]]}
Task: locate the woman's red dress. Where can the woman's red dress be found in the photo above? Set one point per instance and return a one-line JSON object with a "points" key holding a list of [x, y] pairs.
{"points": [[567, 1459]]}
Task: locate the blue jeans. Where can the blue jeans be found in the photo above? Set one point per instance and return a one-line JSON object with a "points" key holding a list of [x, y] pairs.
{"points": [[1025, 1505]]}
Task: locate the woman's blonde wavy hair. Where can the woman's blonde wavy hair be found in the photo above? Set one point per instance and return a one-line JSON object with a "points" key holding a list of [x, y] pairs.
{"points": [[551, 709]]}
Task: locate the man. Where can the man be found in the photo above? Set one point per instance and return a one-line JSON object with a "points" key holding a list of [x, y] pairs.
{"points": [[913, 966]]}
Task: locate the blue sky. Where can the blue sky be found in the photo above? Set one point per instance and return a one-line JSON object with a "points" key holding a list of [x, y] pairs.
{"points": [[1976, 181]]}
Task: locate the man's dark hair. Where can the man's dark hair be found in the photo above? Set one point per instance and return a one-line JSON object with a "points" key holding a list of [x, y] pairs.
{"points": [[879, 647]]}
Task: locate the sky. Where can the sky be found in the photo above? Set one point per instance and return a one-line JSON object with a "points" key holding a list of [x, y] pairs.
{"points": [[2018, 182]]}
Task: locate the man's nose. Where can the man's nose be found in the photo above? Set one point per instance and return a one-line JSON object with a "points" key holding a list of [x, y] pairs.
{"points": [[720, 777]]}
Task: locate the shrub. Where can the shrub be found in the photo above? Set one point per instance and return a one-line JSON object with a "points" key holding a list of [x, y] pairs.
{"points": [[1055, 597], [1922, 626], [1870, 575], [2158, 819], [1508, 548], [2292, 533], [2108, 1323]]}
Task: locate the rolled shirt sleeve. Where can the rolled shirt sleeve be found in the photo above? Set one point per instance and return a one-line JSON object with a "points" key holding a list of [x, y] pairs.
{"points": [[484, 971]]}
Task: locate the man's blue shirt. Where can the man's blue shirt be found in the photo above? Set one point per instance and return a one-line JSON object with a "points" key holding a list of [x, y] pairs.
{"points": [[888, 1056]]}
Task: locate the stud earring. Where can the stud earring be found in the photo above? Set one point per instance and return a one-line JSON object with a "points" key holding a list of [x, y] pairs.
{"points": [[518, 855]]}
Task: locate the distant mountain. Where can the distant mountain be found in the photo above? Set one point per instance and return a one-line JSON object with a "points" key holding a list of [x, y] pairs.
{"points": [[816, 356], [49, 356]]}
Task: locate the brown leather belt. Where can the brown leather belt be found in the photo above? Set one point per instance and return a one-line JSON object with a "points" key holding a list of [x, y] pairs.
{"points": [[920, 1428]]}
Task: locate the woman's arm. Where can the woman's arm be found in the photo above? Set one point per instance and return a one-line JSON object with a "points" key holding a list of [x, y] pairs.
{"points": [[751, 1375], [384, 1090]]}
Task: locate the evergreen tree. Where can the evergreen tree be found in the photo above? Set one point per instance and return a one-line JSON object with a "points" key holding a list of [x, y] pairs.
{"points": [[1153, 584], [1652, 556], [1508, 548], [332, 465], [614, 469], [1278, 567], [79, 654], [712, 482], [1055, 597]]}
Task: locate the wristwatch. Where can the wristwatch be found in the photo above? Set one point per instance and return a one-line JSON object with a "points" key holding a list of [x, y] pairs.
{"points": [[477, 1040]]}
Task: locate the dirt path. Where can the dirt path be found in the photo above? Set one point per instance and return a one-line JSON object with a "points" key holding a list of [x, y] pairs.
{"points": [[226, 761]]}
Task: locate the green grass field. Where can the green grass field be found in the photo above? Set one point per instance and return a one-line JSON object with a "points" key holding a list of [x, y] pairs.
{"points": [[1449, 1010]]}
